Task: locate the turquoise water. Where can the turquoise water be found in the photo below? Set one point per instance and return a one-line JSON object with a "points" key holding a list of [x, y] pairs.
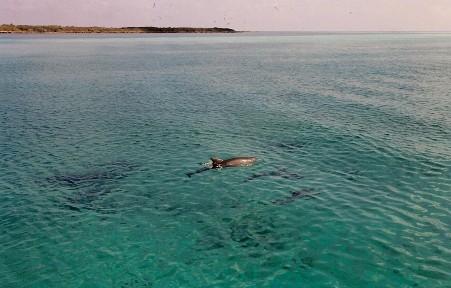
{"points": [[98, 133]]}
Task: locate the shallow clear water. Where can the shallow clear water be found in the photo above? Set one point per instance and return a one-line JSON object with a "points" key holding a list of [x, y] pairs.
{"points": [[97, 133]]}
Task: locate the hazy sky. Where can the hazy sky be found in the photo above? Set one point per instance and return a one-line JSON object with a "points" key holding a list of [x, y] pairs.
{"points": [[350, 15]]}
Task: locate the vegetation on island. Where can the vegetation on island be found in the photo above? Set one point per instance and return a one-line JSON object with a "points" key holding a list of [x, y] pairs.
{"points": [[10, 28]]}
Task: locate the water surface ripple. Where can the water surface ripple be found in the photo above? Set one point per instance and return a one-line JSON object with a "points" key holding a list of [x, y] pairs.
{"points": [[352, 187]]}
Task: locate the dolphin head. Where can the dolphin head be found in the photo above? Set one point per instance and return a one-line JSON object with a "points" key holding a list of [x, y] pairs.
{"points": [[216, 162]]}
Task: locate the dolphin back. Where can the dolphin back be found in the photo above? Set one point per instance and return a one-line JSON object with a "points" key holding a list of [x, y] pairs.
{"points": [[239, 161]]}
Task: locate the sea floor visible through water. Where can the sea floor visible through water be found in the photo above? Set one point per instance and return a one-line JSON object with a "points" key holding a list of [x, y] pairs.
{"points": [[351, 188]]}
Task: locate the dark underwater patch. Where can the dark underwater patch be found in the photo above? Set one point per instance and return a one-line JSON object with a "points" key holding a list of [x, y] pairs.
{"points": [[294, 196], [281, 173], [87, 198], [110, 171], [290, 146], [137, 283], [306, 262], [211, 241], [90, 187], [351, 175], [252, 231], [90, 195]]}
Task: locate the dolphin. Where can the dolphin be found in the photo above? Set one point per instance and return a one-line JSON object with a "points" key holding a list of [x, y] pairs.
{"points": [[217, 163], [232, 162]]}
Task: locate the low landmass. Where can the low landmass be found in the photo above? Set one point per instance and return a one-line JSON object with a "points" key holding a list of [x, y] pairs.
{"points": [[10, 28]]}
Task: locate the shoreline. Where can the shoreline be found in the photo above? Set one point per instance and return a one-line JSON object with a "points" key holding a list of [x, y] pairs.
{"points": [[56, 29]]}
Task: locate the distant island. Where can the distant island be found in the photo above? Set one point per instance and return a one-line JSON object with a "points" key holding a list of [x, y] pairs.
{"points": [[10, 28]]}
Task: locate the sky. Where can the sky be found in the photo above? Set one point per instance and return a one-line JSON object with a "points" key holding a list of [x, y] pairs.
{"points": [[249, 15]]}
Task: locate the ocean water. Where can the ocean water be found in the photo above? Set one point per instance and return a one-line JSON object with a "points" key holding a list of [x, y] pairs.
{"points": [[352, 187]]}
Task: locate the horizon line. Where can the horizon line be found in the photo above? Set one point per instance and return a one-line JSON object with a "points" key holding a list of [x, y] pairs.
{"points": [[238, 30]]}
